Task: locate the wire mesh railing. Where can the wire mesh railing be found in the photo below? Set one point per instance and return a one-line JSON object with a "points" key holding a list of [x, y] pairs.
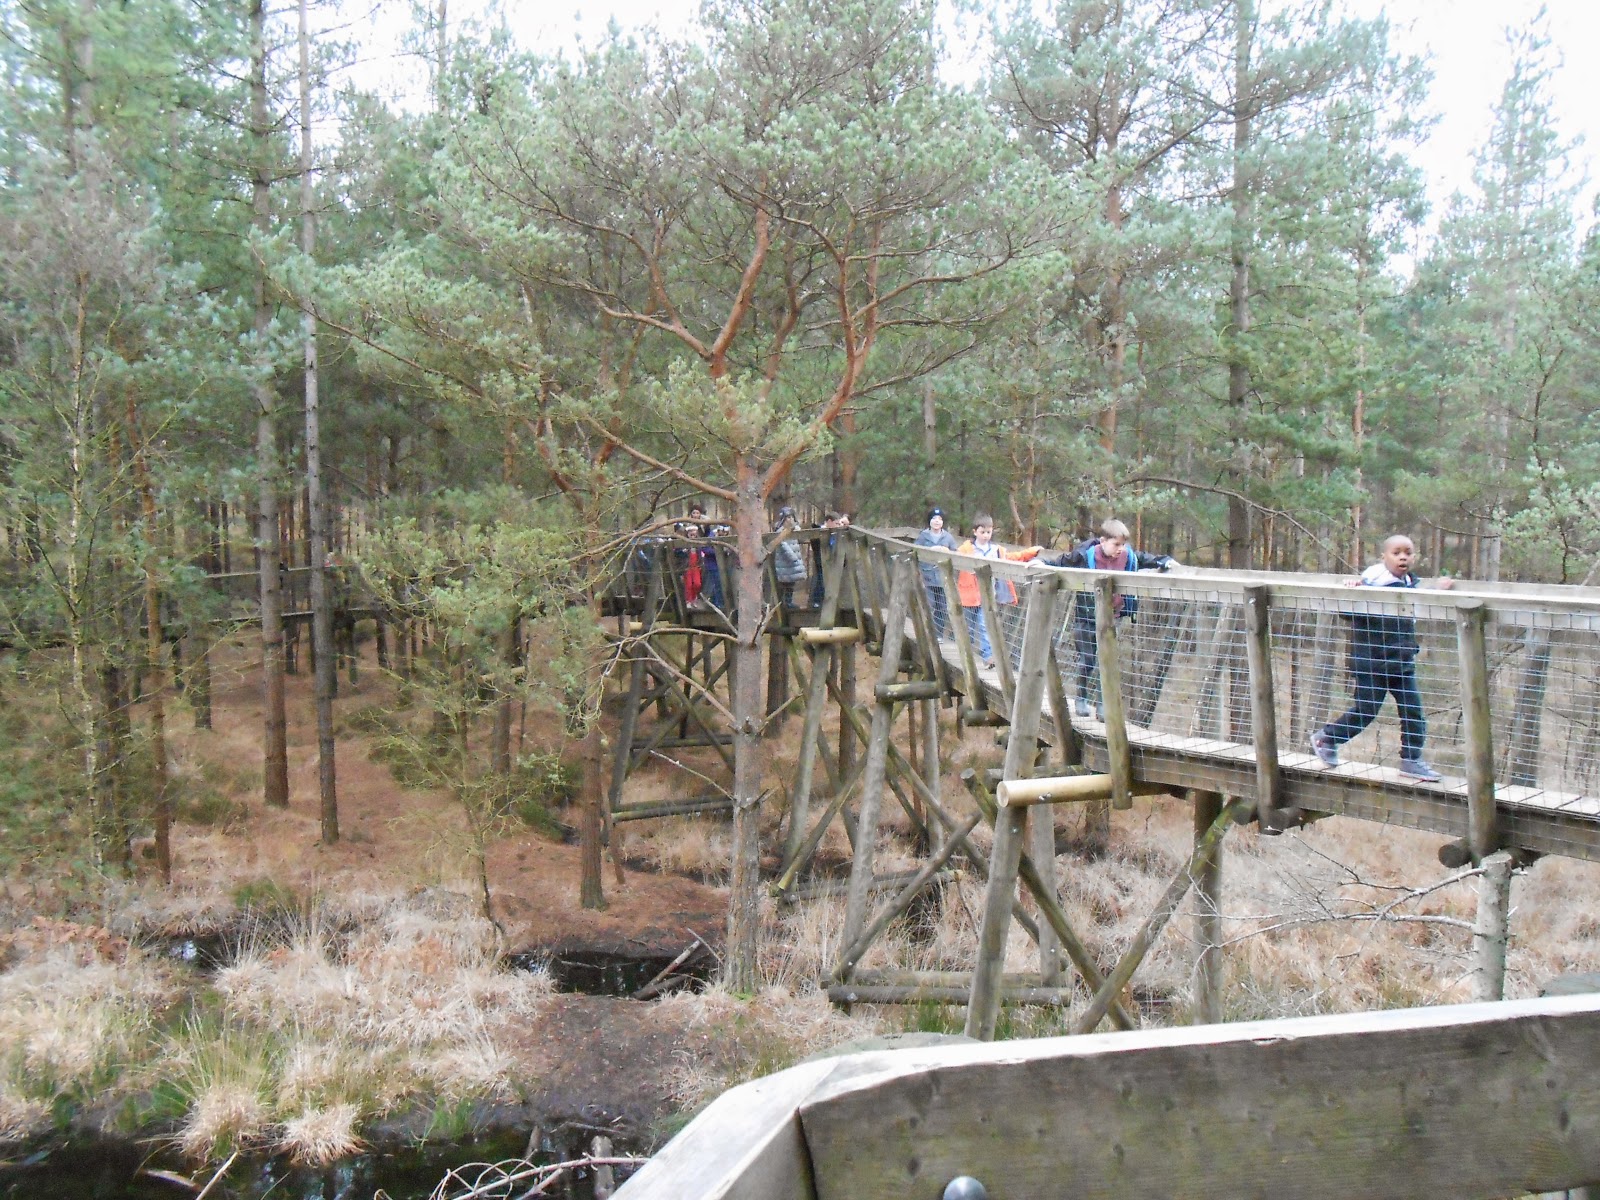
{"points": [[1374, 674]]}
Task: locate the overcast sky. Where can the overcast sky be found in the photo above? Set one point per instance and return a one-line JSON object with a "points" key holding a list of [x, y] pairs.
{"points": [[1463, 40]]}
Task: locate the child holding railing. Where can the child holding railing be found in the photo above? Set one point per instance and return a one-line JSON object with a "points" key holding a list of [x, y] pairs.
{"points": [[983, 546], [1108, 552]]}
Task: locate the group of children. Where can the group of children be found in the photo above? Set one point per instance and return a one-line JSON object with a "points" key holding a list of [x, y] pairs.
{"points": [[1383, 647]]}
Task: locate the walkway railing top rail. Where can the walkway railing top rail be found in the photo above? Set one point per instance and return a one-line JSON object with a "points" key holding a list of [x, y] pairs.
{"points": [[1482, 1100]]}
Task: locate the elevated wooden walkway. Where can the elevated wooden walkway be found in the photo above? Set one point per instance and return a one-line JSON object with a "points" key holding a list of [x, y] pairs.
{"points": [[1204, 684]]}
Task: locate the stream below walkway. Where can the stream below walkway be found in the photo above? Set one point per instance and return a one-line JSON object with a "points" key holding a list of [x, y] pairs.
{"points": [[114, 1170]]}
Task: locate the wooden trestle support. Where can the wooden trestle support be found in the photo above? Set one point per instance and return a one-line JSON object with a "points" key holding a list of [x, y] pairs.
{"points": [[874, 599]]}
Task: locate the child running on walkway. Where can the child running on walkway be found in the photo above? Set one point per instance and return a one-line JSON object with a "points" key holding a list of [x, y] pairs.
{"points": [[1383, 662], [984, 546]]}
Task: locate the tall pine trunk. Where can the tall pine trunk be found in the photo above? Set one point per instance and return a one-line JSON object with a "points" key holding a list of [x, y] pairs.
{"points": [[322, 653], [275, 732], [744, 904], [1239, 540]]}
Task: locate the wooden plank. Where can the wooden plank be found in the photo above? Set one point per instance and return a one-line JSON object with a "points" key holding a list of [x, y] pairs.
{"points": [[1466, 1101], [1116, 719], [1263, 704], [748, 1144], [1477, 741], [1568, 828], [1022, 749]]}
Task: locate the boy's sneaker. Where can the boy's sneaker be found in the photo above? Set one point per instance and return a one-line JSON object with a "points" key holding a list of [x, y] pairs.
{"points": [[1417, 769], [1325, 750], [1080, 707]]}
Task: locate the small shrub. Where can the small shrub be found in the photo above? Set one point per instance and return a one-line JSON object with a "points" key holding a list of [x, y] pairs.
{"points": [[199, 804], [268, 901], [538, 784], [372, 719]]}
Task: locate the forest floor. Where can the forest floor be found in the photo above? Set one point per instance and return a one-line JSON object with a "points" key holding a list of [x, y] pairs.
{"points": [[591, 1059], [1344, 915], [575, 1062]]}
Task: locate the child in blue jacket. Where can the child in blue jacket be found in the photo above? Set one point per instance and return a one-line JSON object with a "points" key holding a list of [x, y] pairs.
{"points": [[1383, 662], [1108, 552]]}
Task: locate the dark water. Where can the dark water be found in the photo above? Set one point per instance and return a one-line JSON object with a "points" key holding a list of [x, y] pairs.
{"points": [[602, 973], [119, 1171]]}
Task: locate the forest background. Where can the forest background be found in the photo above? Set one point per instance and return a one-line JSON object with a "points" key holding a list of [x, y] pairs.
{"points": [[1160, 259]]}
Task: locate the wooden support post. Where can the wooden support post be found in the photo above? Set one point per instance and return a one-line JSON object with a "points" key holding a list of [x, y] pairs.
{"points": [[1208, 1007], [1263, 706], [1069, 748], [1491, 931], [848, 658], [1049, 906], [816, 700], [622, 752], [813, 838], [875, 779], [777, 671], [925, 645], [1157, 920], [1476, 738], [1021, 750], [902, 900], [1107, 649]]}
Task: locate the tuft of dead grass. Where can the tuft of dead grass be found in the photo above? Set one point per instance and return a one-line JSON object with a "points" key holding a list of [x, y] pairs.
{"points": [[320, 1136]]}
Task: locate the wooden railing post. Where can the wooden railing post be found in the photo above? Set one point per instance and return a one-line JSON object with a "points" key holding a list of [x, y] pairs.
{"points": [[1263, 704], [1476, 736], [1108, 653], [1021, 749]]}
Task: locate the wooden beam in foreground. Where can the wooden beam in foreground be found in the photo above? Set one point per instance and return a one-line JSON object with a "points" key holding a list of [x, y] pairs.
{"points": [[1480, 1100]]}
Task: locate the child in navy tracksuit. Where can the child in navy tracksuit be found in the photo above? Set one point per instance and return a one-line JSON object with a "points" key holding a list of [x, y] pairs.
{"points": [[937, 537], [1383, 662], [1108, 552]]}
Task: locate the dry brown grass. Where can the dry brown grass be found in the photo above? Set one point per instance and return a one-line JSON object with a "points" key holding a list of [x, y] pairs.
{"points": [[368, 1005], [68, 1025], [1341, 916]]}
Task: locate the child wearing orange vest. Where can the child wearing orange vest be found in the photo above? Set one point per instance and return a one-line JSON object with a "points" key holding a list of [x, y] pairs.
{"points": [[982, 545]]}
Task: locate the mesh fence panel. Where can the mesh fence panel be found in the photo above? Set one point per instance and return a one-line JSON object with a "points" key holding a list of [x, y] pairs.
{"points": [[1376, 670]]}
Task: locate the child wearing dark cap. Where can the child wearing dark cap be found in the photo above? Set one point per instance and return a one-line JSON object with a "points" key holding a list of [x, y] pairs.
{"points": [[937, 537]]}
